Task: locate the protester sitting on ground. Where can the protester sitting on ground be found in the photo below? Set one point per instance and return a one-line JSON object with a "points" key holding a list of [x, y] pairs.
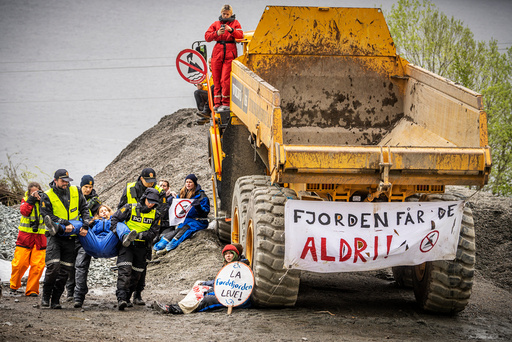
{"points": [[78, 274], [165, 228], [196, 217], [30, 248], [203, 301]]}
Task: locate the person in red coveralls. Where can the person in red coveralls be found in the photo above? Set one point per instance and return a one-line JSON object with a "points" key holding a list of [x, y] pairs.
{"points": [[224, 32], [31, 243]]}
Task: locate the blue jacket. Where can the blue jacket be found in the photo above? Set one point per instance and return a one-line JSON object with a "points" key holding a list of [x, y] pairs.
{"points": [[196, 217]]}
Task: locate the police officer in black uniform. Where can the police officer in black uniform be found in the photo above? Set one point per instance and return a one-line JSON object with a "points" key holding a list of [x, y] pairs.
{"points": [[145, 218]]}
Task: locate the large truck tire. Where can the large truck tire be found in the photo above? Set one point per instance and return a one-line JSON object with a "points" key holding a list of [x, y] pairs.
{"points": [[240, 203], [274, 285], [403, 275], [445, 286]]}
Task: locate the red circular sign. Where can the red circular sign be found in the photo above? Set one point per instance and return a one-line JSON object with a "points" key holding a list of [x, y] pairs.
{"points": [[181, 211], [429, 241], [191, 66]]}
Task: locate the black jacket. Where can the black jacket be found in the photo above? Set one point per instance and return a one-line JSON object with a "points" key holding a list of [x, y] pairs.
{"points": [[139, 189], [123, 214], [63, 195]]}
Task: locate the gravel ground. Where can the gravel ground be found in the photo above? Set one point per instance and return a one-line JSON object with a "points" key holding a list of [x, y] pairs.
{"points": [[364, 306]]}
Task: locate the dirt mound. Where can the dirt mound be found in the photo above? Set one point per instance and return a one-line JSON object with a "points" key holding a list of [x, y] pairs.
{"points": [[174, 148], [493, 225]]}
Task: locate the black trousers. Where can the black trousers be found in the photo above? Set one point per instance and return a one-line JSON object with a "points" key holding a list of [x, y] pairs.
{"points": [[131, 264], [60, 260], [82, 263]]}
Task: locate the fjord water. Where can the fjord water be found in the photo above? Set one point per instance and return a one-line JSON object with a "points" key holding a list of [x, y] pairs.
{"points": [[79, 80]]}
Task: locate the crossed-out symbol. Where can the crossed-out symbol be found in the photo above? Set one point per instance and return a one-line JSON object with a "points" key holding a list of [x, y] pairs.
{"points": [[429, 241], [180, 211]]}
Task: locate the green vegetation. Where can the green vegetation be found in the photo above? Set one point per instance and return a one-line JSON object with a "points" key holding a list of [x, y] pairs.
{"points": [[13, 182], [428, 38]]}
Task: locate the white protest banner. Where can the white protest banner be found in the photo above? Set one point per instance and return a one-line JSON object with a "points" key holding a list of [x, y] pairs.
{"points": [[346, 237], [233, 284], [179, 210]]}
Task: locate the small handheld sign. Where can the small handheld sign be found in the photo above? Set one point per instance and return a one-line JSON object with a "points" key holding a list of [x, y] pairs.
{"points": [[191, 66], [234, 284]]}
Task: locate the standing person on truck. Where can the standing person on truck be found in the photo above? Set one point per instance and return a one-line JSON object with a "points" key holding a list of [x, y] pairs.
{"points": [[225, 31], [61, 204], [31, 243]]}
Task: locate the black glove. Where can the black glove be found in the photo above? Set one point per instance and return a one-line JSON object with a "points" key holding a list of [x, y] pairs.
{"points": [[31, 200], [195, 202], [91, 223], [85, 225]]}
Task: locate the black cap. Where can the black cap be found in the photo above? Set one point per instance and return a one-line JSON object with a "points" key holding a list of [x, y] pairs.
{"points": [[152, 195], [87, 180], [149, 175], [192, 177], [62, 174]]}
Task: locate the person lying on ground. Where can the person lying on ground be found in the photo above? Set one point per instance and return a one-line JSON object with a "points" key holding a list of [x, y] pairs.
{"points": [[202, 297]]}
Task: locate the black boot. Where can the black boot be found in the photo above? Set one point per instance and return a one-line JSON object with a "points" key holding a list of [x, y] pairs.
{"points": [[121, 304], [175, 309], [137, 299]]}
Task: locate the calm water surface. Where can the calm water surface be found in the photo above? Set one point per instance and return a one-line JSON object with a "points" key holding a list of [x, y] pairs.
{"points": [[79, 80]]}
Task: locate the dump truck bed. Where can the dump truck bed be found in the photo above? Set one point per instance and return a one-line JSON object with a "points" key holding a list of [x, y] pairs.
{"points": [[335, 104]]}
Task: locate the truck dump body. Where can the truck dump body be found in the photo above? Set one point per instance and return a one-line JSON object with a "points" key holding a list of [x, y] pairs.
{"points": [[328, 96], [323, 109]]}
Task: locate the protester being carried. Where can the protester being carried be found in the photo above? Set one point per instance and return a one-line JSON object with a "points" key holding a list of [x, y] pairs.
{"points": [[30, 248], [196, 217], [100, 241], [203, 298]]}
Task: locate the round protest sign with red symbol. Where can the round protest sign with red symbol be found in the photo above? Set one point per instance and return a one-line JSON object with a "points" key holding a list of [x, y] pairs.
{"points": [[234, 284], [191, 66]]}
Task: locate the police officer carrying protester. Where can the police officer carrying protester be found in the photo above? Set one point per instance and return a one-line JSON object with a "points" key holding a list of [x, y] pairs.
{"points": [[76, 286], [143, 217], [59, 205], [131, 195]]}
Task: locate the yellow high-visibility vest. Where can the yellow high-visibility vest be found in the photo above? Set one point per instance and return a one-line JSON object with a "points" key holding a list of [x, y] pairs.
{"points": [[35, 215], [60, 210], [130, 198], [140, 222]]}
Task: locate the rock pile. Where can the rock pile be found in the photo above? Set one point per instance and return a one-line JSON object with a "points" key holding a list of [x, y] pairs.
{"points": [[9, 220], [100, 272]]}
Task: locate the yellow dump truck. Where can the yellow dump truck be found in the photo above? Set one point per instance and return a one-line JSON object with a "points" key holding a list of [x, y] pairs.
{"points": [[323, 109]]}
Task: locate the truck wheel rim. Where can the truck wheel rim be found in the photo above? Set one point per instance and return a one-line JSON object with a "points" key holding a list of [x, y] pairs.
{"points": [[420, 271], [235, 230], [249, 242]]}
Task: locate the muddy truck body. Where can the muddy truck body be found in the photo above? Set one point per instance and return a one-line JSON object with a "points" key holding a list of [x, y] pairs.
{"points": [[323, 109]]}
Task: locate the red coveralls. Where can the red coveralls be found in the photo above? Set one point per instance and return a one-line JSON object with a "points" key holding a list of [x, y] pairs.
{"points": [[223, 54]]}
